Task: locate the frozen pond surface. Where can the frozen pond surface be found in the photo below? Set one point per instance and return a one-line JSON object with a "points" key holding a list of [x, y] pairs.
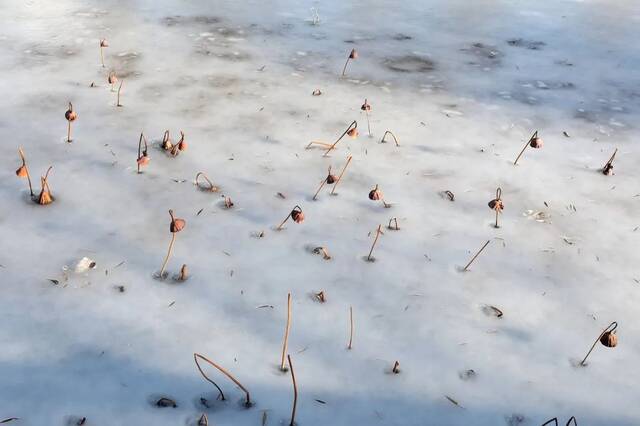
{"points": [[462, 84]]}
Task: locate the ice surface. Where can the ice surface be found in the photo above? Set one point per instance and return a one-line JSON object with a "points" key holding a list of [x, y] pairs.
{"points": [[462, 84]]}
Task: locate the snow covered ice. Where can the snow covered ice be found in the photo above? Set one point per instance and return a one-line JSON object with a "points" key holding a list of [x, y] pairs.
{"points": [[462, 84]]}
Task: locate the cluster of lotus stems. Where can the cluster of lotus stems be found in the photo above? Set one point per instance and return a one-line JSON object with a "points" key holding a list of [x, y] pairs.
{"points": [[44, 197], [607, 338], [554, 420]]}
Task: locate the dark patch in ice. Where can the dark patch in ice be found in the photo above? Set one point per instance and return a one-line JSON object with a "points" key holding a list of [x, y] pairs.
{"points": [[409, 64], [172, 21], [515, 419], [547, 84], [401, 37], [486, 55], [527, 44]]}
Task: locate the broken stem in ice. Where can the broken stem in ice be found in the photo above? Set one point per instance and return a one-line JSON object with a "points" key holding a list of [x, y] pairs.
{"points": [[285, 343], [388, 132], [535, 135], [375, 240], [335, 185], [476, 255], [233, 379], [350, 346], [295, 392]]}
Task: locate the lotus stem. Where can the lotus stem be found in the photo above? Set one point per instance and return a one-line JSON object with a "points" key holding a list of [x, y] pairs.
{"points": [[119, 88], [388, 132], [195, 358], [608, 164], [498, 195], [295, 392], [211, 188], [101, 56], [69, 131], [350, 346], [340, 176], [535, 135], [611, 328], [396, 368], [554, 420], [575, 422], [476, 255], [26, 169], [368, 125], [395, 220], [285, 343], [324, 181], [166, 258], [352, 126], [233, 379], [378, 232]]}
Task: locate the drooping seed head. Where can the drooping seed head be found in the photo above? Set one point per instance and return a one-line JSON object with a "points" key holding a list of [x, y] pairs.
{"points": [[375, 194], [176, 224], [182, 145], [112, 78], [22, 171], [353, 54], [496, 204], [297, 216], [331, 178], [70, 114], [609, 339], [144, 159], [353, 132], [536, 142], [45, 197], [366, 106], [104, 43]]}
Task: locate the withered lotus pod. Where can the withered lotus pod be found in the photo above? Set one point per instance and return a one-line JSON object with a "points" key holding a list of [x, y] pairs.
{"points": [[176, 224], [22, 171], [366, 106], [609, 339], [144, 159], [45, 197], [204, 421], [184, 273], [70, 114], [496, 205], [166, 142], [297, 215], [536, 142], [375, 194], [104, 43], [353, 54], [353, 132], [608, 169], [182, 145], [112, 78], [331, 178]]}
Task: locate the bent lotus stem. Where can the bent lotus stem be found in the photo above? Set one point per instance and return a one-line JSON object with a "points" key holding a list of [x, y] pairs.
{"points": [[476, 255], [321, 184], [396, 367], [535, 135], [352, 126], [572, 418], [119, 88], [211, 188], [287, 218], [611, 328], [233, 379], [395, 220], [165, 140], [378, 233], [26, 169], [142, 152], [388, 132], [553, 420], [195, 358], [285, 343], [350, 346], [340, 176], [295, 392]]}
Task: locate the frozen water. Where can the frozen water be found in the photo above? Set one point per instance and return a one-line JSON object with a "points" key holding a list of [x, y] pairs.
{"points": [[461, 84]]}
